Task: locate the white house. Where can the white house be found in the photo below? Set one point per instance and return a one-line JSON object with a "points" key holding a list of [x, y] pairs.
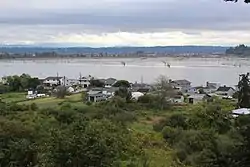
{"points": [[84, 81], [59, 81], [54, 81], [225, 91]]}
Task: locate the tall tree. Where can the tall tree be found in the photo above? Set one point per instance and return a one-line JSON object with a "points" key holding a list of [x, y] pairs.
{"points": [[244, 91]]}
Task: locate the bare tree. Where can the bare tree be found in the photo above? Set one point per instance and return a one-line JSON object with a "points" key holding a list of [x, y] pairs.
{"points": [[164, 90], [60, 92]]}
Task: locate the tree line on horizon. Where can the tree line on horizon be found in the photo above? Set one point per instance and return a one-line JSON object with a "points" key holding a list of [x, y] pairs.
{"points": [[240, 50]]}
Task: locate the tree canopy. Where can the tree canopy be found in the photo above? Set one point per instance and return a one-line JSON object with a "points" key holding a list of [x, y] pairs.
{"points": [[20, 83], [244, 91]]}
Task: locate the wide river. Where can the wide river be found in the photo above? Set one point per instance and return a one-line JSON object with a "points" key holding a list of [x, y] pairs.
{"points": [[197, 70]]}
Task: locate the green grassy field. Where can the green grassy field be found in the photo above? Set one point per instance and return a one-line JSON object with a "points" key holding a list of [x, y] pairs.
{"points": [[13, 97], [54, 102]]}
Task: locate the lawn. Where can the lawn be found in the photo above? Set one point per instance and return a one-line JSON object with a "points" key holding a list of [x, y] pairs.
{"points": [[54, 102], [13, 97]]}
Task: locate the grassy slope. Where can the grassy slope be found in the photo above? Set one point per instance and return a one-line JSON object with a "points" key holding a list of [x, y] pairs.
{"points": [[54, 102], [159, 154], [13, 97]]}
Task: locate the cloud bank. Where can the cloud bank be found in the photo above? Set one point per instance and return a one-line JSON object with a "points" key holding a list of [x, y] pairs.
{"points": [[124, 22]]}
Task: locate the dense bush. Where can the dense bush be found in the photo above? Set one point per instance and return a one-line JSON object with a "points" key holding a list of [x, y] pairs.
{"points": [[17, 144], [94, 143], [65, 137], [154, 102], [207, 137]]}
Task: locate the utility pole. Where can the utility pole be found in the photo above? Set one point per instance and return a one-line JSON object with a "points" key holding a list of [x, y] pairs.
{"points": [[57, 78], [80, 79], [64, 78], [142, 79]]}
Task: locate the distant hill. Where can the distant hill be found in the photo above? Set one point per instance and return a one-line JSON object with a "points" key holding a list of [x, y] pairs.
{"points": [[115, 50]]}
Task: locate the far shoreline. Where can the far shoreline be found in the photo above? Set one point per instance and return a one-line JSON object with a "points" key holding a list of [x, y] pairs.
{"points": [[126, 57]]}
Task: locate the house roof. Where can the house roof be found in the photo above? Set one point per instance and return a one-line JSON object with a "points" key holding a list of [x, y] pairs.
{"points": [[112, 89], [181, 82], [197, 96], [199, 87], [53, 78], [224, 89], [93, 93], [110, 81], [211, 85], [177, 97], [102, 80]]}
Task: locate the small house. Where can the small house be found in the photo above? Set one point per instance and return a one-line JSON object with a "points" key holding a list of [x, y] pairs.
{"points": [[141, 87], [178, 99], [225, 91], [197, 98], [31, 94], [211, 87], [70, 89], [96, 96]]}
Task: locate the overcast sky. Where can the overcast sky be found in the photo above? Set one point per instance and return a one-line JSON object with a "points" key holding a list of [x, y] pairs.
{"points": [[124, 22]]}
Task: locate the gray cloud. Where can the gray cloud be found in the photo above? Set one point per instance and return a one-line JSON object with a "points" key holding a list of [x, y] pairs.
{"points": [[124, 22], [138, 16]]}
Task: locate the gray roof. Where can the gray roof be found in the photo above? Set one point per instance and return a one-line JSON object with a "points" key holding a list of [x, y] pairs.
{"points": [[102, 80], [224, 89], [197, 96], [110, 81], [53, 78], [112, 89], [93, 93], [211, 85], [181, 82]]}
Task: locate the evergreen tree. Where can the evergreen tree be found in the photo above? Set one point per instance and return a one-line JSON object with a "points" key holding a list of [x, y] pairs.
{"points": [[244, 91]]}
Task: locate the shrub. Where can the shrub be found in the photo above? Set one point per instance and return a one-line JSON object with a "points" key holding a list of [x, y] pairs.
{"points": [[170, 134], [33, 107]]}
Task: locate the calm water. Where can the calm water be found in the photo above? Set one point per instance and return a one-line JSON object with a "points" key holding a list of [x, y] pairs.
{"points": [[197, 70]]}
